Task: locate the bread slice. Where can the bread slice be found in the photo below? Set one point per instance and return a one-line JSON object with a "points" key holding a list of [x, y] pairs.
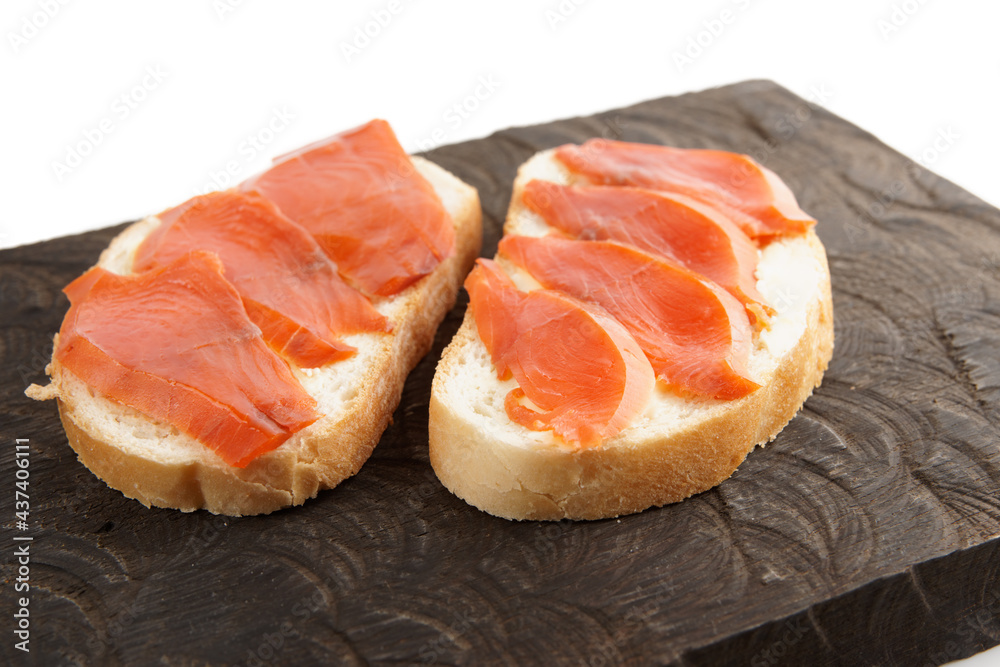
{"points": [[157, 465], [676, 448]]}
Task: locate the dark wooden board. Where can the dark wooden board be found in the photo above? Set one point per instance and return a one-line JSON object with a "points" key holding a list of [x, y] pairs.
{"points": [[867, 533]]}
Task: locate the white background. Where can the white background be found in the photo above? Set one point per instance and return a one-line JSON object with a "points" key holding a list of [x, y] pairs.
{"points": [[907, 71], [156, 100]]}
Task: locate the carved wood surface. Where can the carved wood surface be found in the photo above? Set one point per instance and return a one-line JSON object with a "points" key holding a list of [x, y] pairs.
{"points": [[866, 533]]}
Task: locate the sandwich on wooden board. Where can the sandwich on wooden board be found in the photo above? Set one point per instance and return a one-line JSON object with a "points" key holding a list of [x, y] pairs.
{"points": [[246, 349], [651, 316]]}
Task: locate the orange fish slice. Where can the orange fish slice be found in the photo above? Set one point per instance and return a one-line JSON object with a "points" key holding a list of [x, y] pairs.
{"points": [[579, 372], [359, 194], [696, 335], [290, 288], [207, 370], [753, 196], [674, 226]]}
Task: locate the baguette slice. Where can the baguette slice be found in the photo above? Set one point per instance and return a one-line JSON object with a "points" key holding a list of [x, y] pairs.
{"points": [[156, 465], [676, 448]]}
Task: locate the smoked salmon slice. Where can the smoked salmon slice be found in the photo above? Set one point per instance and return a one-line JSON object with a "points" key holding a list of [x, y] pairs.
{"points": [[290, 288], [753, 196], [696, 335], [674, 226], [579, 372], [176, 344], [360, 196]]}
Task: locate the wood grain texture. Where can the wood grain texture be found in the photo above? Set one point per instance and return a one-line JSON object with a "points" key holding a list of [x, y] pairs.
{"points": [[866, 534]]}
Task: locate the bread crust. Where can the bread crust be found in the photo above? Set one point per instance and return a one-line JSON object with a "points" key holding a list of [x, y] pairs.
{"points": [[321, 456], [636, 469]]}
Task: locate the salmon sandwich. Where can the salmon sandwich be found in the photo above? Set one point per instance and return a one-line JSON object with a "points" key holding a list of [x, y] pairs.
{"points": [[246, 349], [652, 314]]}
